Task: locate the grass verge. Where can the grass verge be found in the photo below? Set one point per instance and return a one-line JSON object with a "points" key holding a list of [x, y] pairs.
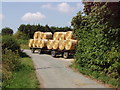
{"points": [[97, 75], [24, 46], [25, 77]]}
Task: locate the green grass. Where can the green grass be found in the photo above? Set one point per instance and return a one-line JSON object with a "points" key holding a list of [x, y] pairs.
{"points": [[25, 77], [97, 75], [24, 46]]}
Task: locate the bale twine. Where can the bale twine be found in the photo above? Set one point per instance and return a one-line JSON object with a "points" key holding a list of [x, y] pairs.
{"points": [[69, 35], [62, 44], [30, 44], [43, 43], [56, 44], [70, 44], [47, 35], [50, 44], [62, 36], [35, 42]]}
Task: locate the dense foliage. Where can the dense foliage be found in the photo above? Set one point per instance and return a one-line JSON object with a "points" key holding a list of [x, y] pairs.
{"points": [[99, 38], [10, 62], [29, 30], [7, 31], [10, 43]]}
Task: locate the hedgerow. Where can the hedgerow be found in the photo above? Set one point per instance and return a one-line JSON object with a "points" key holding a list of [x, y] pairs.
{"points": [[98, 48], [10, 43]]}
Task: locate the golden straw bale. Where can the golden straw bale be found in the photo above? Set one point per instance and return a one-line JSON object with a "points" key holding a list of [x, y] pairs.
{"points": [[56, 44], [30, 44], [56, 35], [39, 42], [62, 36], [35, 42], [47, 35], [62, 44], [43, 43], [50, 44], [69, 35], [36, 35], [70, 44], [40, 35]]}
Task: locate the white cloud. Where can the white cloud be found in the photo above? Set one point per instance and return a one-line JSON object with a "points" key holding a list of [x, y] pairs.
{"points": [[64, 7], [1, 16], [47, 6], [33, 16]]}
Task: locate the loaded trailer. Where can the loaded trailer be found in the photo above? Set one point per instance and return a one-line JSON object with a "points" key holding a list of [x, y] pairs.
{"points": [[61, 43], [54, 53]]}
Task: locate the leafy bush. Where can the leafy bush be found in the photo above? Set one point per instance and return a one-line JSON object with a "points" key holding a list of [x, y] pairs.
{"points": [[98, 48], [10, 62], [21, 35], [10, 43]]}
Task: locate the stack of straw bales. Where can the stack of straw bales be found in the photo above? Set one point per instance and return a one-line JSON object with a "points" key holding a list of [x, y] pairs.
{"points": [[40, 39], [60, 40]]}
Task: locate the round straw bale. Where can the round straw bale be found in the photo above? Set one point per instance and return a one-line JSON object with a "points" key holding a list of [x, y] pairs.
{"points": [[30, 42], [40, 35], [47, 35], [56, 44], [62, 44], [43, 43], [69, 35], [39, 42], [35, 42], [50, 44], [70, 44], [62, 36], [36, 34], [56, 35]]}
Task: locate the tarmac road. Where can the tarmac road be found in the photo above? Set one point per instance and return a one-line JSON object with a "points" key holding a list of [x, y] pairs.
{"points": [[55, 73]]}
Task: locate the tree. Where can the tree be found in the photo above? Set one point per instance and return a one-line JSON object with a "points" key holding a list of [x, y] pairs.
{"points": [[7, 31], [105, 12]]}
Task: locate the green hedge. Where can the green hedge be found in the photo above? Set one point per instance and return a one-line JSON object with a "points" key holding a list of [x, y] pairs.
{"points": [[10, 43], [10, 62], [98, 48]]}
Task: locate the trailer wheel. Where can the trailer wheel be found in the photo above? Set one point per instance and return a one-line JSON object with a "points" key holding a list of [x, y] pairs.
{"points": [[65, 55], [32, 50], [53, 53], [40, 51]]}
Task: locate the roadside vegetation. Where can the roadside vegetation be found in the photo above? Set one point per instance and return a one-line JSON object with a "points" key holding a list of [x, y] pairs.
{"points": [[25, 77], [17, 68], [98, 49]]}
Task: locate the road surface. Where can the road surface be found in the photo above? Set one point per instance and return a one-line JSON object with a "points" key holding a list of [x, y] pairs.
{"points": [[55, 73]]}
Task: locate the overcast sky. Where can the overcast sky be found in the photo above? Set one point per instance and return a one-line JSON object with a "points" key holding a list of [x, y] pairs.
{"points": [[52, 13]]}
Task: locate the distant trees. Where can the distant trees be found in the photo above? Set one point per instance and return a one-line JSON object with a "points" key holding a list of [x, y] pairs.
{"points": [[30, 29], [7, 31]]}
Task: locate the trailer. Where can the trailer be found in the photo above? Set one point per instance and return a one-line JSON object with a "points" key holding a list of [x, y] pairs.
{"points": [[40, 50], [65, 53]]}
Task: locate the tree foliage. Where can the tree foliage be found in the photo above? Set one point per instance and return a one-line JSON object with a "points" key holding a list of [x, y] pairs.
{"points": [[99, 38], [10, 43], [7, 31], [30, 29]]}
